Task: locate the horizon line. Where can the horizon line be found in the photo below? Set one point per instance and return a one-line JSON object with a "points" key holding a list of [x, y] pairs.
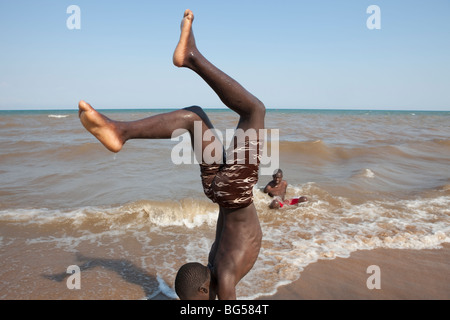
{"points": [[227, 109]]}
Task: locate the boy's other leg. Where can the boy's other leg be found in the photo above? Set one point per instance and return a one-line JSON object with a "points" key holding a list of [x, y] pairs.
{"points": [[113, 134]]}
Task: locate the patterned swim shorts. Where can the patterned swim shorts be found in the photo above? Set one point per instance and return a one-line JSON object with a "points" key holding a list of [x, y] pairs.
{"points": [[230, 185]]}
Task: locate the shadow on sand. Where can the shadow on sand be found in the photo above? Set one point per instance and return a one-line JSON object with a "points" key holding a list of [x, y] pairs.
{"points": [[127, 270]]}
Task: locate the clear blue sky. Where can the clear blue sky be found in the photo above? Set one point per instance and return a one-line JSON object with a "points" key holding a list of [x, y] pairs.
{"points": [[291, 54]]}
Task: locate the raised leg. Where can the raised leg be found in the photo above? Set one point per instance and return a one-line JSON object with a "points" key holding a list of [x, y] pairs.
{"points": [[232, 94]]}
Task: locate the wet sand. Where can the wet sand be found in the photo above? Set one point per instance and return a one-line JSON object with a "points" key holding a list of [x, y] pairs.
{"points": [[404, 275]]}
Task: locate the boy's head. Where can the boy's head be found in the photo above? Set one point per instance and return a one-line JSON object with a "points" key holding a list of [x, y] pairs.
{"points": [[278, 175], [193, 282]]}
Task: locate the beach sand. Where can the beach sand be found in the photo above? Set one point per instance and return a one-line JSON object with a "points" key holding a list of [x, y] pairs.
{"points": [[404, 275]]}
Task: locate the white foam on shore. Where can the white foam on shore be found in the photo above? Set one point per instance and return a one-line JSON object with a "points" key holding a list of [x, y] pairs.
{"points": [[368, 173], [171, 234], [58, 116], [326, 228], [166, 289]]}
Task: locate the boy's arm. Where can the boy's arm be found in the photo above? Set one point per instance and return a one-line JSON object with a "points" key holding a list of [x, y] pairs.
{"points": [[285, 185], [219, 227], [268, 188], [226, 288]]}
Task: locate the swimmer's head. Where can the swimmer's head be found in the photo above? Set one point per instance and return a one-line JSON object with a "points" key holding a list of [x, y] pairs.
{"points": [[278, 175], [193, 282]]}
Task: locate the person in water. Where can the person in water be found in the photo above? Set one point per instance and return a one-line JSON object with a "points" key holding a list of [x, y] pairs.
{"points": [[228, 183], [277, 190]]}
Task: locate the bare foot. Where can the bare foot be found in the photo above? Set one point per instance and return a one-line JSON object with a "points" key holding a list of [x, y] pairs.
{"points": [[104, 129], [186, 48]]}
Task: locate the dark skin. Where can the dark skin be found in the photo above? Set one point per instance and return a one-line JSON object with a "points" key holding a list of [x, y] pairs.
{"points": [[238, 232], [277, 188]]}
